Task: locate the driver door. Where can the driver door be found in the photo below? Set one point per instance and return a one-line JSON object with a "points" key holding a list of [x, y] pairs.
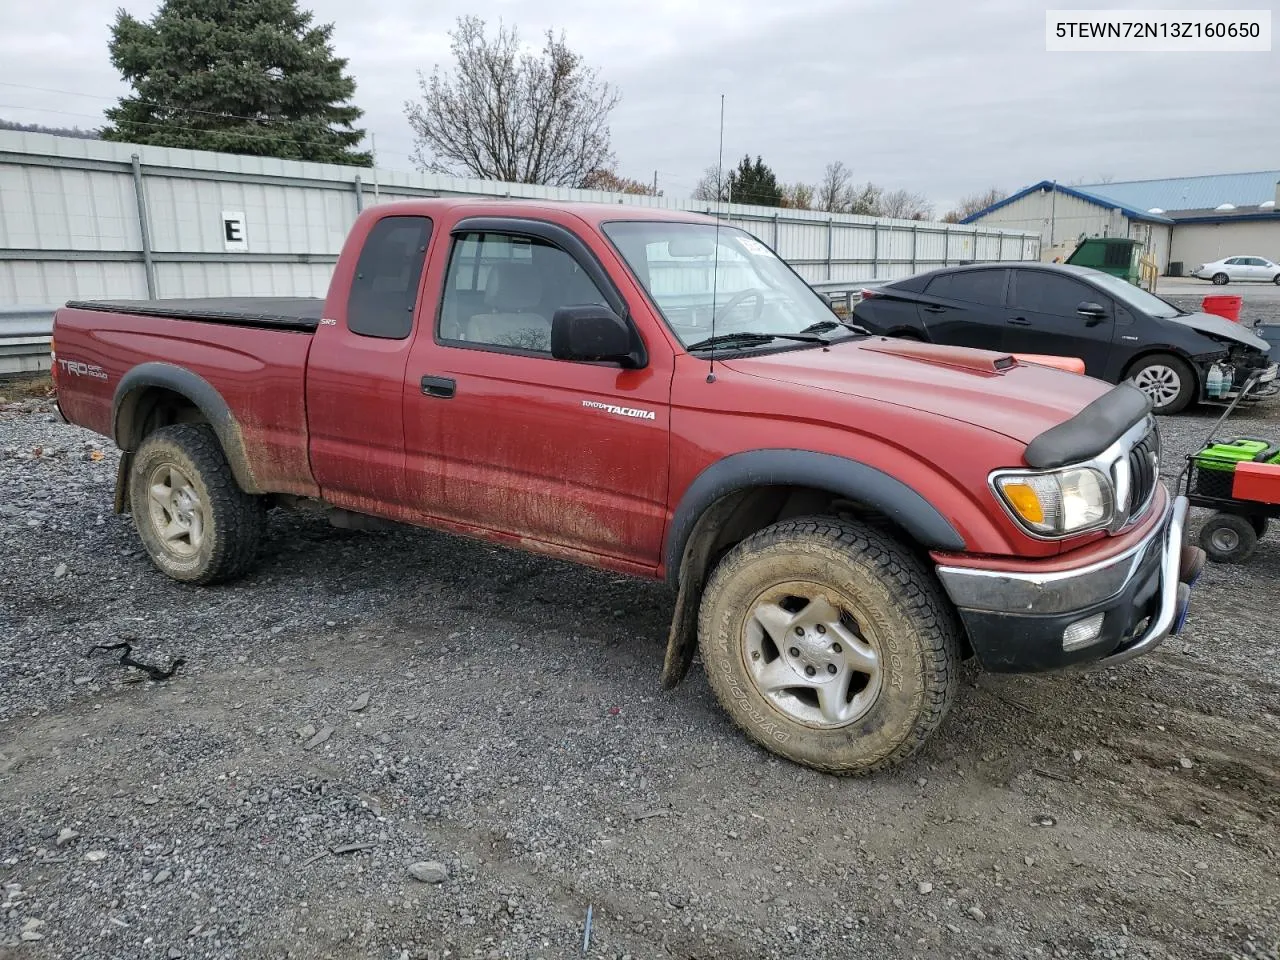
{"points": [[571, 456], [1044, 317]]}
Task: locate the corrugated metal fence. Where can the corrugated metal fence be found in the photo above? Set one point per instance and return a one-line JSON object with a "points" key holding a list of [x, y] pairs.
{"points": [[84, 219]]}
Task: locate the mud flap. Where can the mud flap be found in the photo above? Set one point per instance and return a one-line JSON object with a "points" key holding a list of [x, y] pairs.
{"points": [[121, 502], [682, 641]]}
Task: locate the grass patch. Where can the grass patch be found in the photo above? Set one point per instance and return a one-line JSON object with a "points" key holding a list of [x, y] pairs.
{"points": [[27, 388]]}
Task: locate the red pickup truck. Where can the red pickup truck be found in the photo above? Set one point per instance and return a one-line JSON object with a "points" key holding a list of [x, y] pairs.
{"points": [[842, 517]]}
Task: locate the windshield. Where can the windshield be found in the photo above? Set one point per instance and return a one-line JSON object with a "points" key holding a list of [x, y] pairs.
{"points": [[691, 270], [1148, 303]]}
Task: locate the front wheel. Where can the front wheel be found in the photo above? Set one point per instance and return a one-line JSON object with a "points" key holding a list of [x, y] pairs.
{"points": [[829, 644], [196, 523], [1276, 280], [1220, 279], [1167, 380]]}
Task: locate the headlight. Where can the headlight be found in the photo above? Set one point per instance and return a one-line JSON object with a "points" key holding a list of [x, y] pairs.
{"points": [[1057, 503]]}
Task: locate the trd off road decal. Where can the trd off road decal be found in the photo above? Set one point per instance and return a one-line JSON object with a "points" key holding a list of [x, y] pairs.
{"points": [[617, 411], [82, 369]]}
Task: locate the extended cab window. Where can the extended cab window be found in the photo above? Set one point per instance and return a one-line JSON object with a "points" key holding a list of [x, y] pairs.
{"points": [[973, 286], [502, 291], [384, 292]]}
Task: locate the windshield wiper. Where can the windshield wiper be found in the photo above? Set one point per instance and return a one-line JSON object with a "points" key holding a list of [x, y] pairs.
{"points": [[750, 339], [822, 326]]}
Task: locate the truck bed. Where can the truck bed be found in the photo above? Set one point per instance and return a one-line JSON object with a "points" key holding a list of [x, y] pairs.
{"points": [[275, 313]]}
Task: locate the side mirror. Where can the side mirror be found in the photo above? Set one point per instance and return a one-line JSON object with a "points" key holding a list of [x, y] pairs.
{"points": [[1091, 311], [593, 332]]}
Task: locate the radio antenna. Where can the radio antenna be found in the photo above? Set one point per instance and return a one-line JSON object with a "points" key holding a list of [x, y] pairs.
{"points": [[715, 263]]}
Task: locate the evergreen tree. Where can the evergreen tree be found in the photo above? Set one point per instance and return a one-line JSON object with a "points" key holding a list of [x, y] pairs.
{"points": [[754, 182], [751, 181], [236, 76]]}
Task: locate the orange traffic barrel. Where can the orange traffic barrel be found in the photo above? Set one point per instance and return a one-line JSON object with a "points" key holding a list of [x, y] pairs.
{"points": [[1228, 307]]}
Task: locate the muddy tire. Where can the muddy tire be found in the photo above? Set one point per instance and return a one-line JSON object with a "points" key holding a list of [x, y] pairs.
{"points": [[195, 522], [829, 644]]}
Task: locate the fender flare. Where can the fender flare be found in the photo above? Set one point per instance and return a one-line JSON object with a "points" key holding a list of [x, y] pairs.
{"points": [[710, 496], [125, 411], [787, 467]]}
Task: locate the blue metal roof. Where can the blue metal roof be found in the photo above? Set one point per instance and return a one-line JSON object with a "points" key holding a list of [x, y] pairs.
{"points": [[1192, 193], [1133, 213]]}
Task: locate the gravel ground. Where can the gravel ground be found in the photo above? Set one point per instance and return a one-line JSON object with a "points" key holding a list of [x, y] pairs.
{"points": [[412, 746]]}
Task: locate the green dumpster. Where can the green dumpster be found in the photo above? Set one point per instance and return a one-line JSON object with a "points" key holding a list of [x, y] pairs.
{"points": [[1117, 256]]}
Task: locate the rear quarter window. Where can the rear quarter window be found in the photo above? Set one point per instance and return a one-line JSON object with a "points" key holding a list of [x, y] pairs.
{"points": [[384, 290], [974, 286]]}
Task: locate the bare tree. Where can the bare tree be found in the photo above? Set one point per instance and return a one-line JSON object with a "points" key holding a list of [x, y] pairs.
{"points": [[867, 200], [975, 203], [507, 115], [712, 187], [615, 183], [835, 192], [798, 196], [905, 205], [76, 132], [1081, 181]]}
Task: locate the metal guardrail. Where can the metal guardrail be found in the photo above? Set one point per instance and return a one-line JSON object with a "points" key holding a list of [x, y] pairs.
{"points": [[25, 333], [842, 294]]}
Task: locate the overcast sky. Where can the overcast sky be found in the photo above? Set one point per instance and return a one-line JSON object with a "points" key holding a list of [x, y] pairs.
{"points": [[946, 97]]}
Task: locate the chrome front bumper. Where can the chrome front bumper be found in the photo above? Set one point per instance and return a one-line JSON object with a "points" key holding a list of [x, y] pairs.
{"points": [[1174, 594], [1016, 621]]}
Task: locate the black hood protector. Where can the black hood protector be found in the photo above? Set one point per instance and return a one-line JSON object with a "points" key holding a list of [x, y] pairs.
{"points": [[1092, 430]]}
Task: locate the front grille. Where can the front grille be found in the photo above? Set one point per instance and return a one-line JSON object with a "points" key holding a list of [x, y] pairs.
{"points": [[1144, 471]]}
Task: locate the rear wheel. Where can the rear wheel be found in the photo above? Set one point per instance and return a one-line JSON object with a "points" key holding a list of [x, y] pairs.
{"points": [[1220, 279], [1167, 380], [1228, 538], [195, 522], [829, 644], [1260, 525]]}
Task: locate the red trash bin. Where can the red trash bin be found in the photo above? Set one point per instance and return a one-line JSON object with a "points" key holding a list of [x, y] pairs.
{"points": [[1228, 307]]}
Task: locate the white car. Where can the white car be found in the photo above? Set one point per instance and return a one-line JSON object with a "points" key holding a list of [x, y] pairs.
{"points": [[1239, 268]]}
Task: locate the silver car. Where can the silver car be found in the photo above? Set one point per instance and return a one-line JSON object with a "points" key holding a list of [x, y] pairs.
{"points": [[1239, 268]]}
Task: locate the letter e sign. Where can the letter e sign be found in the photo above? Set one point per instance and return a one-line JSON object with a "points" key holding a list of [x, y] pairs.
{"points": [[233, 237]]}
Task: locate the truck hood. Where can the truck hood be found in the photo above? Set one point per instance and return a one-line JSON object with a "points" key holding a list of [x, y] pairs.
{"points": [[1224, 329], [979, 387]]}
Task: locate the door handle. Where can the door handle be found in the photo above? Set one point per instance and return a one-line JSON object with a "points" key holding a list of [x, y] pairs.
{"points": [[933, 308], [438, 387], [1020, 321]]}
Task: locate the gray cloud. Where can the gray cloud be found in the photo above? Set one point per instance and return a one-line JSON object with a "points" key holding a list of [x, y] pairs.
{"points": [[933, 95]]}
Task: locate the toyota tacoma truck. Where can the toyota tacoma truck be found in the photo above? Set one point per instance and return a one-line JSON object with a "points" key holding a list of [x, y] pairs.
{"points": [[842, 517]]}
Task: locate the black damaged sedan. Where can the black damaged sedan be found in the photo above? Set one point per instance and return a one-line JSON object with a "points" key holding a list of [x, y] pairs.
{"points": [[1120, 331]]}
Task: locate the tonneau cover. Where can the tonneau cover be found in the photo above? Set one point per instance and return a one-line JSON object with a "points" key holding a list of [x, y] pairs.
{"points": [[287, 313]]}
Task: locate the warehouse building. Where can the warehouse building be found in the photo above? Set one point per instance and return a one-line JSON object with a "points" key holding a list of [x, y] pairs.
{"points": [[1180, 222]]}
